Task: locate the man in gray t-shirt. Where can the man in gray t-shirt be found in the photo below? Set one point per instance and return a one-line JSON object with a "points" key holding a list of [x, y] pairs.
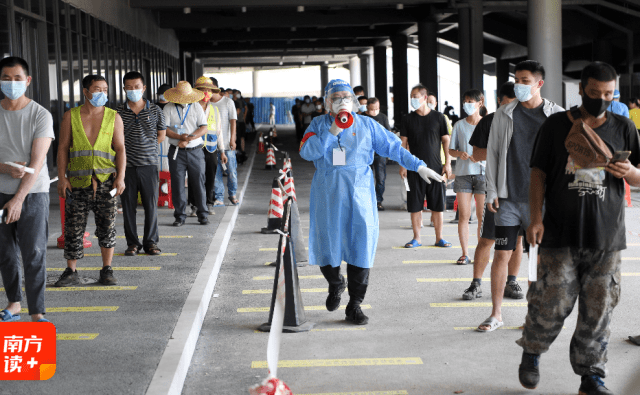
{"points": [[26, 132]]}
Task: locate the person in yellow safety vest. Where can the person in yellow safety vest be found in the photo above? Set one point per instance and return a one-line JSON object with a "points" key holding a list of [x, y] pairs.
{"points": [[213, 139], [91, 163]]}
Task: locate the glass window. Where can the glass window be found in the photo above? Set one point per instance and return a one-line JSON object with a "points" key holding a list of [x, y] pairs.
{"points": [[21, 3], [83, 23], [35, 7], [96, 64], [62, 13], [118, 77], [50, 5], [77, 70], [65, 71], [53, 78], [5, 48], [73, 18], [86, 66]]}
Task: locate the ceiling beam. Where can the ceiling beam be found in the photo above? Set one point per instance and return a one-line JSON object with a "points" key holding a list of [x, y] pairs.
{"points": [[212, 63], [273, 3], [245, 46], [255, 54]]}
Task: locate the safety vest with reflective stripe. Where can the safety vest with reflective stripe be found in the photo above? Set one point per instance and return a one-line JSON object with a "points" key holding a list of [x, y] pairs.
{"points": [[211, 137], [85, 160]]}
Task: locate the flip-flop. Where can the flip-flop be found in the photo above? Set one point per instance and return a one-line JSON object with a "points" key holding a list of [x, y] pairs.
{"points": [[443, 243], [6, 316], [463, 260], [218, 203], [412, 244], [233, 200], [492, 323]]}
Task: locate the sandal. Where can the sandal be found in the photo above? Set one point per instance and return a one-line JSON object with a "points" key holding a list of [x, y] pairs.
{"points": [[132, 250], [5, 316], [233, 200], [412, 244], [463, 260], [443, 243], [218, 203], [492, 323], [152, 250]]}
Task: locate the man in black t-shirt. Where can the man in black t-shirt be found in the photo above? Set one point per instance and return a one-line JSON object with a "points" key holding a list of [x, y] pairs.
{"points": [[423, 132], [379, 165], [581, 236]]}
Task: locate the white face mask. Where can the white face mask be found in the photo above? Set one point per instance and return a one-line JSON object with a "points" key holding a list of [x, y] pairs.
{"points": [[318, 107], [431, 106], [469, 108]]}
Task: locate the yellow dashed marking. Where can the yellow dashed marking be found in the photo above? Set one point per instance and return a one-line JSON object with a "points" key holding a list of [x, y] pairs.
{"points": [[162, 237], [89, 288], [313, 363], [633, 244], [76, 336], [398, 392], [430, 246], [478, 304], [446, 280], [60, 269], [140, 254], [327, 330], [631, 258], [468, 328], [87, 309], [268, 291], [306, 308]]}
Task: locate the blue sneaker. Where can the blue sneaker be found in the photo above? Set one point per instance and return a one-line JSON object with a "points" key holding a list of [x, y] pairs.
{"points": [[528, 372]]}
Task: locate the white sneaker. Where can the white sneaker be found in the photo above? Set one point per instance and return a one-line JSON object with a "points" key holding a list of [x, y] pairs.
{"points": [[211, 212]]}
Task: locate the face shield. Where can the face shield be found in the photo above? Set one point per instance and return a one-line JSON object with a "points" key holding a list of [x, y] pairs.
{"points": [[340, 97]]}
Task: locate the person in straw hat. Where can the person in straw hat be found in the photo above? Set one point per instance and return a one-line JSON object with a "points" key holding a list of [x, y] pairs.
{"points": [[186, 124]]}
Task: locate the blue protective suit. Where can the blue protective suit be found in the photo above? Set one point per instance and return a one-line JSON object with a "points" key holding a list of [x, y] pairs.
{"points": [[343, 206]]}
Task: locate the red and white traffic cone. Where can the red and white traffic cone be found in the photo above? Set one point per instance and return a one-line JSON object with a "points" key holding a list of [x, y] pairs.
{"points": [[271, 159], [289, 187], [85, 243], [286, 167], [274, 215], [261, 144]]}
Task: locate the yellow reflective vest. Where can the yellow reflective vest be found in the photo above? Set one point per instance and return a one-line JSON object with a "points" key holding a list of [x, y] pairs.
{"points": [[211, 137], [85, 160]]}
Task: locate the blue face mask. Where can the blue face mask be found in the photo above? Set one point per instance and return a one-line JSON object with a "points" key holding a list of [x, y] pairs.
{"points": [[363, 108], [523, 92], [98, 99], [134, 95], [161, 98], [415, 103], [469, 108], [14, 89]]}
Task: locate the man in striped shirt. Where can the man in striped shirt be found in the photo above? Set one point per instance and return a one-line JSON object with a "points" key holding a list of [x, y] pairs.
{"points": [[144, 128]]}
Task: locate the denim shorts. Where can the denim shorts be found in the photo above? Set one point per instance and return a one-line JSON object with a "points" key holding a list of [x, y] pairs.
{"points": [[470, 184]]}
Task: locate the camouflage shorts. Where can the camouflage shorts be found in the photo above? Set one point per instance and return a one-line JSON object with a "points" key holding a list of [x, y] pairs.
{"points": [[77, 211], [565, 275]]}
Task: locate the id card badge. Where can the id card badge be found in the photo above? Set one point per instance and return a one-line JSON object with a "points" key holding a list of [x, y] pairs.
{"points": [[180, 131], [339, 157]]}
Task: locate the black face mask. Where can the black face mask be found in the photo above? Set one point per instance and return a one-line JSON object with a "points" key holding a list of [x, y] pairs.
{"points": [[595, 107]]}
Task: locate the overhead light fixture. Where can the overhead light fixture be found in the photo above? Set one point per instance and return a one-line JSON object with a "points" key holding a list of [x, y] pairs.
{"points": [[248, 29], [244, 9], [187, 10], [203, 30], [280, 63], [326, 62], [399, 6], [303, 62], [372, 27], [300, 8], [293, 28]]}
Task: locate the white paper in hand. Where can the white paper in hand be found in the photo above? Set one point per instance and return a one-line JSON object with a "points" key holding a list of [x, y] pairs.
{"points": [[533, 262], [113, 192], [224, 167], [406, 183]]}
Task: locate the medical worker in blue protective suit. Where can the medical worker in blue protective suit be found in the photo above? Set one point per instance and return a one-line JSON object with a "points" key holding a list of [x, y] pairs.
{"points": [[343, 211]]}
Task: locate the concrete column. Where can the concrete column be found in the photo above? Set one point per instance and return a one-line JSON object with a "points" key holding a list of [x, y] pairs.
{"points": [[380, 66], [544, 28], [256, 83], [428, 55], [502, 72], [471, 49], [364, 74], [400, 77], [324, 78], [354, 71]]}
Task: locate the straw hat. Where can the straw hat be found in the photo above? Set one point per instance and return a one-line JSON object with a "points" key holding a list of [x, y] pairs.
{"points": [[204, 82], [183, 93]]}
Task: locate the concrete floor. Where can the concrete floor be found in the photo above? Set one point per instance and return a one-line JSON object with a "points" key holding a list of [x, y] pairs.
{"points": [[425, 349]]}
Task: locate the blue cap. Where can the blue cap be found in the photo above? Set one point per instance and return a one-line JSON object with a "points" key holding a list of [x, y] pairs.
{"points": [[616, 94]]}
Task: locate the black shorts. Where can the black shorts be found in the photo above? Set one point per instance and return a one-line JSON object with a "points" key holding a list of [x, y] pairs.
{"points": [[241, 129], [419, 189], [488, 230]]}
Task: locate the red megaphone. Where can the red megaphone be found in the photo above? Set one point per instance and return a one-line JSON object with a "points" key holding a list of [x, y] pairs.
{"points": [[344, 119]]}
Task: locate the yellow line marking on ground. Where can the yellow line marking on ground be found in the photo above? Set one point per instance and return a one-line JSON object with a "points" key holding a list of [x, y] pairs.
{"points": [[140, 254], [60, 269], [631, 259], [633, 244], [162, 237], [466, 328], [446, 280], [436, 261], [310, 277], [89, 288], [268, 291], [76, 336], [478, 304], [397, 392], [630, 274], [430, 246], [310, 363], [327, 330], [87, 309], [274, 249], [306, 308]]}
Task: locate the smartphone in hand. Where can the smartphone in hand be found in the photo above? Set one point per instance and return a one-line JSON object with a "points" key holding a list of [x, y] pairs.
{"points": [[620, 156]]}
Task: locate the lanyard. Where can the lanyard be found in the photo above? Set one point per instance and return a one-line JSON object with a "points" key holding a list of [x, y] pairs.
{"points": [[185, 114]]}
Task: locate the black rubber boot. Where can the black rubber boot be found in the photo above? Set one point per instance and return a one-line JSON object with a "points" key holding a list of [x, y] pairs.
{"points": [[358, 282], [528, 372], [337, 285]]}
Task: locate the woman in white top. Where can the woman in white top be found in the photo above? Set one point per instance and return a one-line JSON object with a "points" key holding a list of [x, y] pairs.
{"points": [[469, 180]]}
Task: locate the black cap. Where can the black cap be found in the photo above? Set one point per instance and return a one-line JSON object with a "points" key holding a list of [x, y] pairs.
{"points": [[163, 88]]}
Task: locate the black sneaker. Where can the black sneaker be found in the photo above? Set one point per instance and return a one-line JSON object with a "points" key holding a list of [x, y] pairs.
{"points": [[380, 207], [593, 385], [356, 316], [204, 221], [528, 372], [106, 276], [512, 290], [68, 278], [333, 300], [178, 222], [474, 291]]}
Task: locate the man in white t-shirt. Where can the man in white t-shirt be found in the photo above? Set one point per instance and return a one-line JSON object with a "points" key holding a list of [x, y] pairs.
{"points": [[26, 132]]}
